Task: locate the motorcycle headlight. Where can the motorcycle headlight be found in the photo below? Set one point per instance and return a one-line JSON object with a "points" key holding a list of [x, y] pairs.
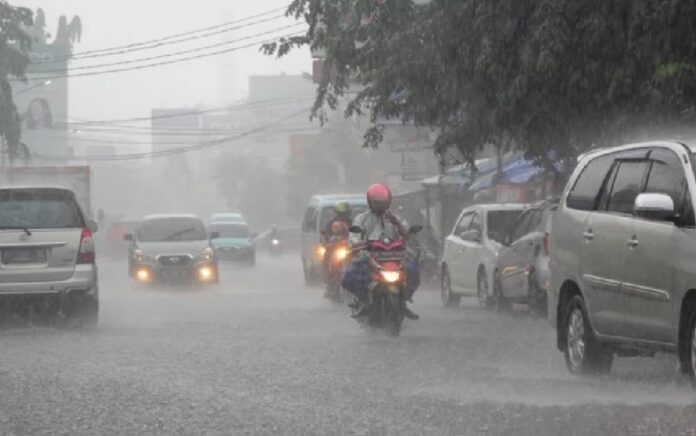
{"points": [[341, 253], [391, 276], [207, 254], [275, 242], [321, 252]]}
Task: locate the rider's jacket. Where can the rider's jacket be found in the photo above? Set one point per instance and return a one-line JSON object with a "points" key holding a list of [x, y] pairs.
{"points": [[376, 228]]}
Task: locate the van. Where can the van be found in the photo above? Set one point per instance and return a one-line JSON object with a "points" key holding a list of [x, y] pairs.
{"points": [[319, 212]]}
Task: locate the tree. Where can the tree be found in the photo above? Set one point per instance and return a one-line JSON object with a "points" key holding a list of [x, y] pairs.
{"points": [[14, 45], [554, 76]]}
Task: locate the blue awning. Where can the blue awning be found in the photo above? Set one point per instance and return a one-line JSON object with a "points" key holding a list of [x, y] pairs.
{"points": [[518, 171]]}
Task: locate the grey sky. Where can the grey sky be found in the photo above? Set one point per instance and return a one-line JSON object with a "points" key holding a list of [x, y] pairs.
{"points": [[108, 23]]}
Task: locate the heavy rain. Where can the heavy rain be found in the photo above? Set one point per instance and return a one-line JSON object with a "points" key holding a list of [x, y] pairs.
{"points": [[347, 217]]}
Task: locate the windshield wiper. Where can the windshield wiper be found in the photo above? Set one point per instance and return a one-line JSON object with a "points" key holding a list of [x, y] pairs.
{"points": [[24, 229], [179, 233]]}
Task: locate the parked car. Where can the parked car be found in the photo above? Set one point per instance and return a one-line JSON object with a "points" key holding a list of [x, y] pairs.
{"points": [[623, 244], [471, 252], [233, 242], [172, 249], [320, 211], [522, 271], [47, 254], [227, 218]]}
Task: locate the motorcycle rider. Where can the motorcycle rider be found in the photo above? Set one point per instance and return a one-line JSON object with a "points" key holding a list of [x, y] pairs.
{"points": [[379, 223], [342, 214]]}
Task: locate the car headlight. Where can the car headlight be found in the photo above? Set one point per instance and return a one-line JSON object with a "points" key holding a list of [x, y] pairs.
{"points": [[275, 242], [207, 254]]}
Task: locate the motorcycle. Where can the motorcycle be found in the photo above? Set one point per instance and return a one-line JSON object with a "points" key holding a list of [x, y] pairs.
{"points": [[275, 247], [386, 297], [340, 252]]}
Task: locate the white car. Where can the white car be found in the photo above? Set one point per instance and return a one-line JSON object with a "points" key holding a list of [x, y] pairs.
{"points": [[471, 252]]}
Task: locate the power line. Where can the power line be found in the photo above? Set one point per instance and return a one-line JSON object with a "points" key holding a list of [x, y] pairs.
{"points": [[173, 61], [166, 38], [157, 45], [182, 150], [178, 53], [247, 105]]}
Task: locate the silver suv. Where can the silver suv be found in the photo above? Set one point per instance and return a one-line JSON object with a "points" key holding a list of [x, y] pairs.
{"points": [[623, 244], [47, 257]]}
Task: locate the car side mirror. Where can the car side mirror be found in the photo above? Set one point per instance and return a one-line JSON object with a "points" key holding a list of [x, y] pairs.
{"points": [[92, 226], [128, 237], [415, 229], [654, 206], [214, 235], [355, 229]]}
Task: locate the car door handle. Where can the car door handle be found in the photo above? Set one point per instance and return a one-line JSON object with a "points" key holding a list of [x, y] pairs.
{"points": [[633, 242], [588, 235]]}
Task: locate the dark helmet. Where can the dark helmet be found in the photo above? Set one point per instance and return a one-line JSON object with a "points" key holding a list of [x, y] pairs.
{"points": [[379, 198]]}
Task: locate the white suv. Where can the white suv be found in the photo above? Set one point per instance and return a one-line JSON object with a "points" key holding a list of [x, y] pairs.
{"points": [[47, 258], [623, 257]]}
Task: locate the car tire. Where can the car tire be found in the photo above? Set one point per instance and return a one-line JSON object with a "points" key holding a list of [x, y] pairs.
{"points": [[687, 356], [499, 301], [537, 302], [583, 353], [449, 299], [484, 299], [89, 314]]}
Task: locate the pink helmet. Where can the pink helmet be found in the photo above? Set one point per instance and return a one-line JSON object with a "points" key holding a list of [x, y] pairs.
{"points": [[379, 198]]}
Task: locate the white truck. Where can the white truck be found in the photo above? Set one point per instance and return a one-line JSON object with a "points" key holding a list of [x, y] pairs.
{"points": [[76, 178]]}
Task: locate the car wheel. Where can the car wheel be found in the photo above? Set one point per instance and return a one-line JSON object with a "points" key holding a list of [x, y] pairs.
{"points": [[536, 298], [482, 291], [449, 299], [584, 355]]}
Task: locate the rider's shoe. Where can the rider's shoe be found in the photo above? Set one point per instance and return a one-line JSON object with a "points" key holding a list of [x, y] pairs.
{"points": [[408, 313], [360, 311]]}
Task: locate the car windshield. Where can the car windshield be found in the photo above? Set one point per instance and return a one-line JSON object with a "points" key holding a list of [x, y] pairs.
{"points": [[228, 230], [328, 213], [500, 222], [172, 229], [39, 209]]}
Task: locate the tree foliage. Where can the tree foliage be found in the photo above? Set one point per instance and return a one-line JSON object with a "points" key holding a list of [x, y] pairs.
{"points": [[555, 76], [14, 45]]}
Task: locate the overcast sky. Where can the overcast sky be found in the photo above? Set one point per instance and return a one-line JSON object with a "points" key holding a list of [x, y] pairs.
{"points": [[109, 23]]}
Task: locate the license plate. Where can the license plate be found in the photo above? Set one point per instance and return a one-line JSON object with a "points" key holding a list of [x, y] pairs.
{"points": [[18, 256]]}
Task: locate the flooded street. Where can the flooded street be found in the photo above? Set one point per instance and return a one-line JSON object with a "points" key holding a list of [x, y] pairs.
{"points": [[262, 354]]}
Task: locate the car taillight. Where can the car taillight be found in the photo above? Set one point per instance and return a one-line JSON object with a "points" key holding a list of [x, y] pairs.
{"points": [[546, 243], [86, 254]]}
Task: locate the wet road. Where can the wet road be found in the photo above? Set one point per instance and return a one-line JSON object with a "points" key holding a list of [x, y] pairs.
{"points": [[262, 354]]}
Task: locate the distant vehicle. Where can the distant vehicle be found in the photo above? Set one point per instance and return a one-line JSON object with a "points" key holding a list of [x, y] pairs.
{"points": [[471, 252], [319, 212], [77, 179], [172, 249], [286, 239], [522, 272], [623, 244], [233, 242], [227, 218], [47, 254], [113, 240]]}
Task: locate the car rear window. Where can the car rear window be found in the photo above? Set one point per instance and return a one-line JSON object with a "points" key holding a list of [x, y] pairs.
{"points": [[227, 230], [171, 230], [500, 223], [39, 209]]}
